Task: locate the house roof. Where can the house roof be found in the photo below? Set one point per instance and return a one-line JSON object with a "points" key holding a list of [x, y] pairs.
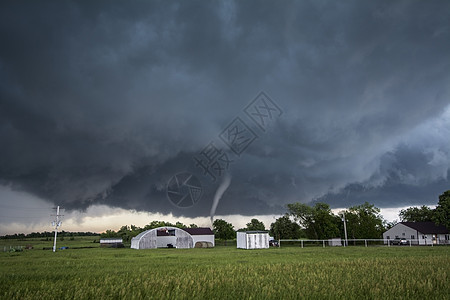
{"points": [[426, 227], [199, 231]]}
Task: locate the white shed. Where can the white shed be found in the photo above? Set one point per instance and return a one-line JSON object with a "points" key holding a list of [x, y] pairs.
{"points": [[252, 239]]}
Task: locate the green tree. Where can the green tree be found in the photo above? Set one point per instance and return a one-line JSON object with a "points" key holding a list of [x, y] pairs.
{"points": [[442, 211], [156, 224], [124, 232], [326, 223], [193, 226], [389, 225], [223, 230], [318, 221], [284, 228], [255, 224], [109, 234], [304, 215], [180, 225], [364, 222], [135, 230], [416, 214]]}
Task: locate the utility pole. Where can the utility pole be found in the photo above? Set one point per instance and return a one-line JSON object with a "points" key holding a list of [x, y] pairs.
{"points": [[57, 223], [345, 228]]}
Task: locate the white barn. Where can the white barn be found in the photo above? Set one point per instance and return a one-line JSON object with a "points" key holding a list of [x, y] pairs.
{"points": [[419, 233], [172, 237], [252, 239]]}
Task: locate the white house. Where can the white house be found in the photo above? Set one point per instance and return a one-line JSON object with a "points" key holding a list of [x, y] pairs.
{"points": [[419, 233], [164, 237], [252, 239]]}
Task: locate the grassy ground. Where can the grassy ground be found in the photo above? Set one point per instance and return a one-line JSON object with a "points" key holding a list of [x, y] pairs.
{"points": [[228, 273], [40, 243]]}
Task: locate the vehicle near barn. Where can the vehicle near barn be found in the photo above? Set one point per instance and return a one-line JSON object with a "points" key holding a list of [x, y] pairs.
{"points": [[399, 241], [274, 243]]}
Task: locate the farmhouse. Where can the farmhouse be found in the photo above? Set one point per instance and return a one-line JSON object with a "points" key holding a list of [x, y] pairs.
{"points": [[419, 233], [173, 237], [252, 239]]}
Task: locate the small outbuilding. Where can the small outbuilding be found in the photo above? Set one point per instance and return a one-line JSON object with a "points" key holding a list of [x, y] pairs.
{"points": [[111, 243], [418, 233], [252, 239], [173, 237], [335, 242]]}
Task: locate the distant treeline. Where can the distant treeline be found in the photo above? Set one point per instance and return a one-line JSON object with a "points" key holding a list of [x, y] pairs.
{"points": [[315, 221], [46, 234]]}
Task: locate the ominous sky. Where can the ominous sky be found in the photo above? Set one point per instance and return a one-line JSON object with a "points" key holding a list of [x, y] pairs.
{"points": [[103, 102]]}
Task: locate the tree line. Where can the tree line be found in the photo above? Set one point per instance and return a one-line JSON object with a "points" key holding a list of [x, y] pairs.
{"points": [[47, 234], [319, 222], [315, 221], [438, 215]]}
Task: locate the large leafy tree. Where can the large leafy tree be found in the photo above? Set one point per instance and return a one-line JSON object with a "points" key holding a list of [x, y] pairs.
{"points": [[223, 230], [304, 215], [326, 222], [284, 228], [364, 222], [128, 232], [416, 214], [156, 224], [124, 232], [318, 221], [109, 234], [255, 224], [442, 211]]}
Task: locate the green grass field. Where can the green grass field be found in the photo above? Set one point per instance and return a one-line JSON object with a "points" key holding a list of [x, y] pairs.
{"points": [[40, 243], [227, 273]]}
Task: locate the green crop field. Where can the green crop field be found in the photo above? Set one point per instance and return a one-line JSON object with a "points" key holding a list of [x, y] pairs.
{"points": [[227, 273]]}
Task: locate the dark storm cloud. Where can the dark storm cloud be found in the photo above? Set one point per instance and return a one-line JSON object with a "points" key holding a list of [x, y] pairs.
{"points": [[103, 102]]}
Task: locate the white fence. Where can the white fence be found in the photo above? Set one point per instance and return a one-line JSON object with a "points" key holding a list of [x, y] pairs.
{"points": [[355, 242]]}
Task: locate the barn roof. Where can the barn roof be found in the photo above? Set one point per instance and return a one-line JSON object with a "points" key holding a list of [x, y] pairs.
{"points": [[426, 227], [199, 231]]}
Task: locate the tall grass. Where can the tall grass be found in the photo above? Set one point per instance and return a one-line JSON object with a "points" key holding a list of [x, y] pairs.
{"points": [[228, 273]]}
